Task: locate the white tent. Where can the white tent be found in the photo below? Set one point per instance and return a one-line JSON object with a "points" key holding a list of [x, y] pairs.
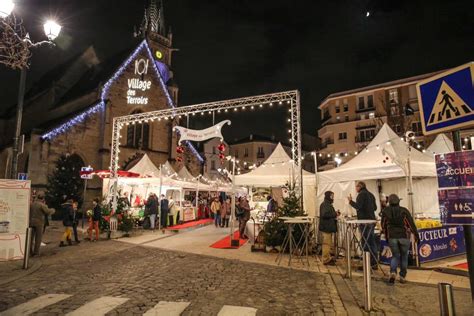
{"points": [[186, 175], [384, 160], [276, 171], [442, 144], [145, 167]]}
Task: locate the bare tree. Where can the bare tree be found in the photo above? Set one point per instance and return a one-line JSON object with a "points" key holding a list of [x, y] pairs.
{"points": [[14, 43]]}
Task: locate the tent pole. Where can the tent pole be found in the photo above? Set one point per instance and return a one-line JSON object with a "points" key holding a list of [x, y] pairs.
{"points": [[159, 195], [233, 202]]}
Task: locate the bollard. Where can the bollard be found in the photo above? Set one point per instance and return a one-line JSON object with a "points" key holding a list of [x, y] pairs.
{"points": [[367, 282], [446, 299], [348, 255], [26, 256]]}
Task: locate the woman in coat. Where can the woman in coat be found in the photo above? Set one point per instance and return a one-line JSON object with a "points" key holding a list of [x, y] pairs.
{"points": [[68, 219]]}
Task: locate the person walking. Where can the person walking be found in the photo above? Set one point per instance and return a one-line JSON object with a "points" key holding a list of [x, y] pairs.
{"points": [[95, 220], [38, 212], [68, 218], [366, 206], [398, 225], [164, 209], [225, 212], [328, 226], [272, 207], [152, 206], [216, 210], [244, 218], [75, 221]]}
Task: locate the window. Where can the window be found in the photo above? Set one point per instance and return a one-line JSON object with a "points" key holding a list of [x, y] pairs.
{"points": [[394, 110], [213, 150], [416, 127], [361, 103], [362, 116], [338, 118], [338, 109], [260, 153], [371, 115], [236, 153], [370, 101], [138, 135], [366, 135], [213, 165], [393, 96], [326, 114], [398, 128], [412, 92], [346, 107], [246, 152], [346, 118], [342, 135]]}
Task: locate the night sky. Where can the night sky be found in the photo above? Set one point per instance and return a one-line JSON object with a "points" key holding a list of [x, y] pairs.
{"points": [[233, 48]]}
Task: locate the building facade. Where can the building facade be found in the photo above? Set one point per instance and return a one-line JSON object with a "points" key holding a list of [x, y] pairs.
{"points": [[212, 160], [71, 109], [351, 119]]}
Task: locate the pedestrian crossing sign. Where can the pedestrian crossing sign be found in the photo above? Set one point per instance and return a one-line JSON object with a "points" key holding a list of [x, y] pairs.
{"points": [[447, 100]]}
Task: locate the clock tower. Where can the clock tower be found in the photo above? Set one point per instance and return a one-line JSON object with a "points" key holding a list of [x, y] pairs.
{"points": [[160, 40]]}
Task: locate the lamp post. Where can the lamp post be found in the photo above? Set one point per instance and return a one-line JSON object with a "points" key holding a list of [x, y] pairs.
{"points": [[16, 34]]}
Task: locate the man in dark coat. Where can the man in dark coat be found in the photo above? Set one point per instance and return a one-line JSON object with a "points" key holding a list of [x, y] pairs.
{"points": [[366, 206], [164, 210], [68, 219], [327, 226], [38, 212], [398, 225]]}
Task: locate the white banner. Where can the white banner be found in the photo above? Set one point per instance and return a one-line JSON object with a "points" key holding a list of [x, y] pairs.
{"points": [[201, 135], [14, 217]]}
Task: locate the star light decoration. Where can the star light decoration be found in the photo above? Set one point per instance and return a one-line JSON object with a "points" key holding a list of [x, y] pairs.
{"points": [[81, 117]]}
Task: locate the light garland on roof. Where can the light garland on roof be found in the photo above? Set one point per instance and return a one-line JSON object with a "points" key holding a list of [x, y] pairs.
{"points": [[105, 91]]}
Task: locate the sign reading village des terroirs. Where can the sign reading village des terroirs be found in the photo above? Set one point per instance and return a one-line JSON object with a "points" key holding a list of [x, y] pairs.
{"points": [[455, 172], [137, 86]]}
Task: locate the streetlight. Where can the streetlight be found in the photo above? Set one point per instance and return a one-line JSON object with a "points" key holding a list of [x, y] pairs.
{"points": [[6, 8], [18, 39]]}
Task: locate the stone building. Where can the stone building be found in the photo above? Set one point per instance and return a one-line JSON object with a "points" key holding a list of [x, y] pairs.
{"points": [[70, 110], [212, 160], [350, 119]]}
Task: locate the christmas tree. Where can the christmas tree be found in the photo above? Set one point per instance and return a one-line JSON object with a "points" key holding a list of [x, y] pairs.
{"points": [[275, 230], [65, 183]]}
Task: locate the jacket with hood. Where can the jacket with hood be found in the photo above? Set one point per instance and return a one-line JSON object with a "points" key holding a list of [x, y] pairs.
{"points": [[397, 222], [327, 217]]}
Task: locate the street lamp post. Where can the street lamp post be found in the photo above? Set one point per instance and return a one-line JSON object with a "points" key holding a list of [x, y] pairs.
{"points": [[20, 60]]}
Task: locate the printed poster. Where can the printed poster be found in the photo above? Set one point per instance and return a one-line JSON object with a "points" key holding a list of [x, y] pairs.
{"points": [[14, 217]]}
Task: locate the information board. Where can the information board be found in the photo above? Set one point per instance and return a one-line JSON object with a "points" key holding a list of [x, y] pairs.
{"points": [[455, 172], [14, 217]]}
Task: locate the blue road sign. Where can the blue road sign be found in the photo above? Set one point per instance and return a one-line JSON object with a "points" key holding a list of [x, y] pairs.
{"points": [[22, 176], [447, 100]]}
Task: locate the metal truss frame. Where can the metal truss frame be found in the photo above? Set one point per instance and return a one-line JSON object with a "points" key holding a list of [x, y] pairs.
{"points": [[291, 98]]}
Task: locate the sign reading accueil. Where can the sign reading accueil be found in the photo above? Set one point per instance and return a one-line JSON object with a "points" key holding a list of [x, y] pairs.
{"points": [[455, 169], [138, 85], [447, 100], [455, 173]]}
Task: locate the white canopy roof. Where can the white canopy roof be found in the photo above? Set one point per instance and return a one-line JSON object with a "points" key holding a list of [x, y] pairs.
{"points": [[145, 167], [369, 164], [186, 175], [442, 144], [275, 171]]}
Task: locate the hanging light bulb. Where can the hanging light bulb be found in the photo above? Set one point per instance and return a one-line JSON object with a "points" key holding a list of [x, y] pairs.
{"points": [[219, 111], [378, 147], [388, 142], [243, 108], [235, 109], [355, 153], [261, 105], [252, 107], [280, 102], [226, 110], [320, 155], [367, 150], [194, 113], [210, 112], [202, 113]]}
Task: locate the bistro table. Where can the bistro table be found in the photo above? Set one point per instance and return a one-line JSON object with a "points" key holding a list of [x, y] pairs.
{"points": [[301, 245]]}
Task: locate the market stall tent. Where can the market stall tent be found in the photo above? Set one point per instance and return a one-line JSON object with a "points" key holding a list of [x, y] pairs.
{"points": [[276, 171], [145, 167], [384, 160], [442, 144]]}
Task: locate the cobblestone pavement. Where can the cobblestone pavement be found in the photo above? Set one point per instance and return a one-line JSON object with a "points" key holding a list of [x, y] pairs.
{"points": [[408, 298], [147, 276]]}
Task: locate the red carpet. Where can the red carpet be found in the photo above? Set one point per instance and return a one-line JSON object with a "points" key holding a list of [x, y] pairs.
{"points": [[462, 266], [224, 243], [200, 222]]}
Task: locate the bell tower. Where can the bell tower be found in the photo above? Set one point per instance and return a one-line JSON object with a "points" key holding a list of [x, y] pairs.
{"points": [[153, 29]]}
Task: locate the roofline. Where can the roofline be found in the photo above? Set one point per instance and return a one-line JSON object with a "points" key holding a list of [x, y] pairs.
{"points": [[388, 84]]}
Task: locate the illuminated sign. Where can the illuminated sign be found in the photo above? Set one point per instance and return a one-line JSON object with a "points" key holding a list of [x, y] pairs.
{"points": [[137, 85], [159, 54]]}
